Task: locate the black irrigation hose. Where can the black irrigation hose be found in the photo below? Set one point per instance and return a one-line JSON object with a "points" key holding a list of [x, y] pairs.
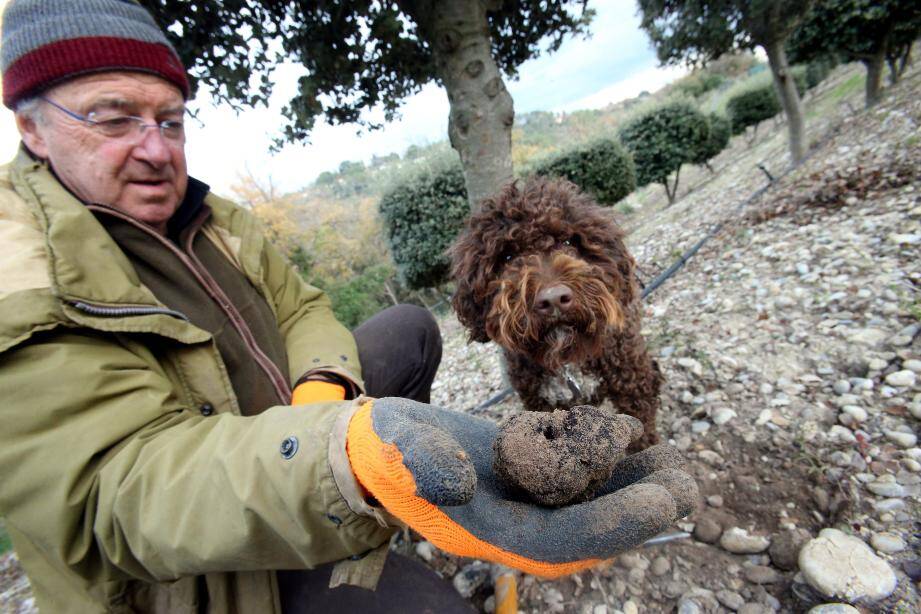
{"points": [[687, 255]]}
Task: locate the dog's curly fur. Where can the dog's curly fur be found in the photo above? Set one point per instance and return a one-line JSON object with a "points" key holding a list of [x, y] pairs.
{"points": [[541, 233]]}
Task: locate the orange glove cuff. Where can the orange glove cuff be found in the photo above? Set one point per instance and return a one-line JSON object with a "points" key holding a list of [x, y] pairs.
{"points": [[378, 467], [317, 392]]}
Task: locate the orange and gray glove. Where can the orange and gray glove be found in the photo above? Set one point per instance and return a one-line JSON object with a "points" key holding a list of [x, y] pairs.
{"points": [[317, 391], [432, 469]]}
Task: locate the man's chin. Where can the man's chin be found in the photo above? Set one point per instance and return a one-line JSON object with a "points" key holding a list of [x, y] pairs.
{"points": [[152, 212]]}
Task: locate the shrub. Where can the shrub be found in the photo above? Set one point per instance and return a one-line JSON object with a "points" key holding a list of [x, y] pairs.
{"points": [[357, 299], [699, 83], [422, 217], [663, 139], [717, 139], [818, 69], [751, 107], [602, 168]]}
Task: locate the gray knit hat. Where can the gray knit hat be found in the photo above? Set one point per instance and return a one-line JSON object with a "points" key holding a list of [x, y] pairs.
{"points": [[45, 42]]}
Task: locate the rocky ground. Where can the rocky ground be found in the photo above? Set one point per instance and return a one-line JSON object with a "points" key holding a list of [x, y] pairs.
{"points": [[791, 350]]}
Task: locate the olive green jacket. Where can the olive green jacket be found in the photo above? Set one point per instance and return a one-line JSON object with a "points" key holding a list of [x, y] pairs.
{"points": [[130, 479]]}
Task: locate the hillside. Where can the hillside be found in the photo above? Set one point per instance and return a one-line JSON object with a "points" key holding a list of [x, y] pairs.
{"points": [[790, 346]]}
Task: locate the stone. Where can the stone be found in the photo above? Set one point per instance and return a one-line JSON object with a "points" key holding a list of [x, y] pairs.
{"points": [[868, 336], [707, 530], [425, 550], [730, 599], [470, 578], [888, 543], [785, 547], [834, 608], [761, 574], [739, 541], [858, 414], [697, 601], [691, 365], [912, 365], [699, 427], [722, 415], [840, 566], [711, 458], [630, 607], [901, 439], [902, 379], [754, 608], [660, 566], [838, 433], [842, 386], [717, 500]]}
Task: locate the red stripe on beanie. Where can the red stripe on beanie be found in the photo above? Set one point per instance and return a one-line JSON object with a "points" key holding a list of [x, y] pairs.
{"points": [[55, 62]]}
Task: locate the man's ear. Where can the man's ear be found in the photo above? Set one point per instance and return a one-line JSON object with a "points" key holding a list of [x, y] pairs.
{"points": [[32, 135]]}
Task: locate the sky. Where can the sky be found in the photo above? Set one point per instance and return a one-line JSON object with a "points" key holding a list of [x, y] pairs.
{"points": [[614, 63]]}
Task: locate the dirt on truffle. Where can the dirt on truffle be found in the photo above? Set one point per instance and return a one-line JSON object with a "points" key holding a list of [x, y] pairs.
{"points": [[562, 457]]}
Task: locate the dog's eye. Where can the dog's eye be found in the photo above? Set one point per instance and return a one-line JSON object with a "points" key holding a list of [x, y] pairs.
{"points": [[567, 242]]}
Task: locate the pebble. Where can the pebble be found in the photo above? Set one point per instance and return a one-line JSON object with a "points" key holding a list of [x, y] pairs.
{"points": [[660, 566], [885, 488], [470, 578], [834, 608], [630, 607], [843, 567], [730, 599], [902, 379], [697, 601], [425, 550], [707, 530], [888, 543], [912, 365], [842, 386], [717, 500], [700, 426], [761, 574], [722, 415], [711, 458], [691, 365], [903, 440], [754, 608], [785, 547], [858, 414], [839, 434], [764, 417], [739, 541]]}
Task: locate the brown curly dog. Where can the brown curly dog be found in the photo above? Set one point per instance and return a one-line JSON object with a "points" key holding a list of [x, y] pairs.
{"points": [[543, 271]]}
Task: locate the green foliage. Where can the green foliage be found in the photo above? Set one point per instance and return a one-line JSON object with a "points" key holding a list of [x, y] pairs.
{"points": [[751, 107], [857, 30], [663, 139], [357, 55], [717, 138], [602, 168], [700, 31], [422, 217], [699, 83], [817, 70], [360, 297]]}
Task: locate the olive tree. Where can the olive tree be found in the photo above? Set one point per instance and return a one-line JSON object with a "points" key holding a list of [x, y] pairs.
{"points": [[699, 31], [662, 140], [869, 31], [720, 129], [360, 55]]}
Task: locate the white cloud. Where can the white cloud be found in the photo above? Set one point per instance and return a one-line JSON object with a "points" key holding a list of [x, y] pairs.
{"points": [[648, 80]]}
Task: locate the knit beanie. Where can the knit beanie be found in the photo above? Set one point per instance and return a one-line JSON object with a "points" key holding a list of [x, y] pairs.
{"points": [[45, 42]]}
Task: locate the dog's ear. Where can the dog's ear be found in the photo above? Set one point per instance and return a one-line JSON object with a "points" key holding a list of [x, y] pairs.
{"points": [[470, 294]]}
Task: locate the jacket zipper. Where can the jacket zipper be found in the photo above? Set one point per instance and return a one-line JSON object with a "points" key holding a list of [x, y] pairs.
{"points": [[279, 382], [108, 311]]}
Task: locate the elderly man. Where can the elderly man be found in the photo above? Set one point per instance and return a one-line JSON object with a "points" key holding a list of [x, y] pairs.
{"points": [[176, 422]]}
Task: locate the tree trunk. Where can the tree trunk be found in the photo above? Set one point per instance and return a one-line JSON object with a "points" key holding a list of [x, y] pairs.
{"points": [[874, 66], [482, 111], [785, 86]]}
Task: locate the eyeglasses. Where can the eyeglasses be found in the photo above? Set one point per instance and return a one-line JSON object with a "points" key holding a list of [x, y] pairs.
{"points": [[126, 127]]}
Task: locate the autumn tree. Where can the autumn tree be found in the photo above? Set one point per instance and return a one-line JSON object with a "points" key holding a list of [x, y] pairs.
{"points": [[699, 31], [360, 55], [873, 32]]}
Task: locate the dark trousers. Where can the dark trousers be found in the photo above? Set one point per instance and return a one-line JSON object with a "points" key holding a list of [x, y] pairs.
{"points": [[400, 350]]}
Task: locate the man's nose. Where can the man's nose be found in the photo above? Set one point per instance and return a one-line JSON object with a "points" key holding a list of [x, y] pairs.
{"points": [[153, 147]]}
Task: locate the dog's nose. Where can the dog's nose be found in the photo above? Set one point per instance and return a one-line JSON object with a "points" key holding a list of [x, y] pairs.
{"points": [[554, 299]]}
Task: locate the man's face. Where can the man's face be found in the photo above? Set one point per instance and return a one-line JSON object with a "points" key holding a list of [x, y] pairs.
{"points": [[142, 174]]}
